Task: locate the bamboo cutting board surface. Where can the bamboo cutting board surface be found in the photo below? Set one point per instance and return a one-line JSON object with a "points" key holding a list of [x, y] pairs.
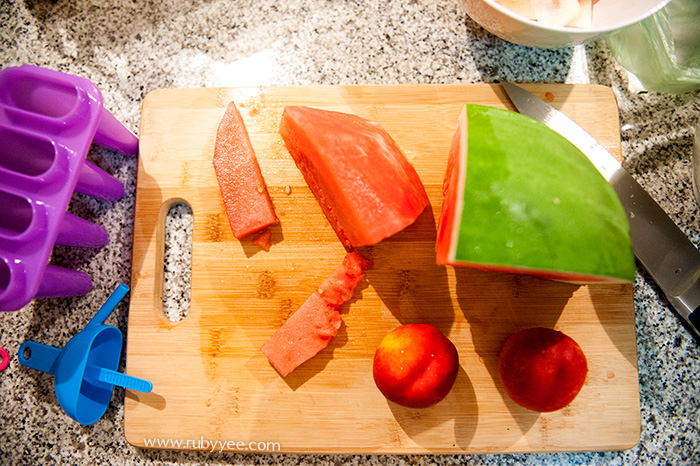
{"points": [[214, 389]]}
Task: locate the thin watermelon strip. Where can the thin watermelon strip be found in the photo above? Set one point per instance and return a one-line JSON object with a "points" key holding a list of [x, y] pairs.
{"points": [[264, 239], [247, 202], [520, 198], [317, 321], [366, 187]]}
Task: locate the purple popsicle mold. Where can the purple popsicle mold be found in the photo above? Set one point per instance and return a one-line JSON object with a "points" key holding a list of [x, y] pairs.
{"points": [[48, 120]]}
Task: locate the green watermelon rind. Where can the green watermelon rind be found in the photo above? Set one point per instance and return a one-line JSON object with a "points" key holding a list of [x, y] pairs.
{"points": [[533, 202]]}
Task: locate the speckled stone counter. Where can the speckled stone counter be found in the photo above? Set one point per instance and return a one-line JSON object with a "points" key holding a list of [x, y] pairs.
{"points": [[130, 47]]}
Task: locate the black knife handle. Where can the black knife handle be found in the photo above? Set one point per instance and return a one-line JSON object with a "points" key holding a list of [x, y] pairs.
{"points": [[687, 305], [694, 320]]}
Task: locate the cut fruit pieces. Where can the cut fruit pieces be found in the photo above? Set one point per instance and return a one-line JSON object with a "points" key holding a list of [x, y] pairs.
{"points": [[248, 205], [366, 187], [317, 321]]}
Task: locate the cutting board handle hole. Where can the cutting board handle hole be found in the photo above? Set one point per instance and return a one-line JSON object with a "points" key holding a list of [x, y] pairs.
{"points": [[177, 261]]}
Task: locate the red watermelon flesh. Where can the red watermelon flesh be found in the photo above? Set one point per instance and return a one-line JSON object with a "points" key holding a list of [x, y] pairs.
{"points": [[264, 239], [366, 187], [303, 335], [248, 205], [317, 321]]}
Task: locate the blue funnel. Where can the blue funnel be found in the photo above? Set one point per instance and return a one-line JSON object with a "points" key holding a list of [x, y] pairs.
{"points": [[85, 370]]}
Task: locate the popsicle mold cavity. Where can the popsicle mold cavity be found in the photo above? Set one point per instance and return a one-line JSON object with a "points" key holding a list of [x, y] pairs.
{"points": [[48, 120], [38, 93], [16, 146], [4, 276], [17, 216]]}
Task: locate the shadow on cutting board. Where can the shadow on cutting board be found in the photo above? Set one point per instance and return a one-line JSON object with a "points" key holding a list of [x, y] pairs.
{"points": [[614, 306], [151, 399], [459, 409], [497, 305], [407, 280]]}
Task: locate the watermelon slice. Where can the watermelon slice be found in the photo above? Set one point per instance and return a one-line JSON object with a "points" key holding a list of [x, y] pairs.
{"points": [[248, 205], [363, 182], [521, 198], [317, 321]]}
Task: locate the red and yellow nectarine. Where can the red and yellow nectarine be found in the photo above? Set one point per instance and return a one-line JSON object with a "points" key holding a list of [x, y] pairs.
{"points": [[415, 365], [542, 369]]}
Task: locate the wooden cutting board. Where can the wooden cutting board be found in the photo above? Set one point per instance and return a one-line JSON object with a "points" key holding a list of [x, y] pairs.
{"points": [[213, 388]]}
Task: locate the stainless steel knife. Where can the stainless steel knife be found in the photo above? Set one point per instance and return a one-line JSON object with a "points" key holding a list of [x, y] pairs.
{"points": [[659, 245]]}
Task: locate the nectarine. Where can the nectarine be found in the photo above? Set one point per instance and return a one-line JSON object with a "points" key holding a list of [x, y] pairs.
{"points": [[542, 369], [415, 365]]}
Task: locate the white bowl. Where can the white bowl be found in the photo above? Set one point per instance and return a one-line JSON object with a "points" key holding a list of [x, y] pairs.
{"points": [[608, 16]]}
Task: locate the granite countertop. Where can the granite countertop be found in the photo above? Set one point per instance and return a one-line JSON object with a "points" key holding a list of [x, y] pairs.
{"points": [[129, 48]]}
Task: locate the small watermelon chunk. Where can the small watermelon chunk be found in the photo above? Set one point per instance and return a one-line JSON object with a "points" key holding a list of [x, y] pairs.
{"points": [[264, 239], [247, 202], [366, 187], [521, 198], [317, 321]]}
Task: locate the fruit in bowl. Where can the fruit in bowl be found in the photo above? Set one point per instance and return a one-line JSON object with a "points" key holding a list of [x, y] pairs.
{"points": [[415, 365], [542, 369], [573, 13], [525, 22]]}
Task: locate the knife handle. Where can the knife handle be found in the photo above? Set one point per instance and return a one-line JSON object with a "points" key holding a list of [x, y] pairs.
{"points": [[687, 307], [694, 320]]}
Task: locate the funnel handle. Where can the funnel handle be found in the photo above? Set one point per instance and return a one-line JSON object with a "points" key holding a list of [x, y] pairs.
{"points": [[119, 379], [40, 356], [109, 305]]}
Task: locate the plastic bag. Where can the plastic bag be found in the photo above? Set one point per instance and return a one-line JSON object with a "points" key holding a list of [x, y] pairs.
{"points": [[663, 50]]}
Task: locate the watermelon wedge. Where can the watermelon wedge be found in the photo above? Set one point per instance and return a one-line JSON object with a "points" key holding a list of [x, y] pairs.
{"points": [[521, 198], [248, 205], [366, 187], [317, 321]]}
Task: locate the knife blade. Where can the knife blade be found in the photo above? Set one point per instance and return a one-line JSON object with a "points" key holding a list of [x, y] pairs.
{"points": [[659, 245]]}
